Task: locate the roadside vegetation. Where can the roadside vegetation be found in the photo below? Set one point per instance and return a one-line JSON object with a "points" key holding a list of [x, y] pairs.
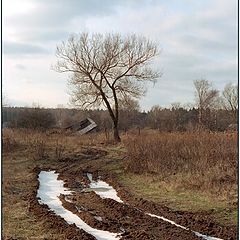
{"points": [[200, 161], [191, 171]]}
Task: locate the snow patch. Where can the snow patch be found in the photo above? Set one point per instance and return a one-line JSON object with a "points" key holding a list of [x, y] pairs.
{"points": [[51, 188], [103, 189], [49, 191], [206, 237], [196, 233], [167, 220]]}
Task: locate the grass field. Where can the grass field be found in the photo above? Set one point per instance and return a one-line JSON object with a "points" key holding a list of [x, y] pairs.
{"points": [[185, 171], [194, 171], [202, 161]]}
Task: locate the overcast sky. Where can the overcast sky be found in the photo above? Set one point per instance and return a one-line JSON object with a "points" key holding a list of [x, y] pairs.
{"points": [[198, 39]]}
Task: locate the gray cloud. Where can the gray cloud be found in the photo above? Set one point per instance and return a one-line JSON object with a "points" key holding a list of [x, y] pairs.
{"points": [[198, 39], [20, 49], [203, 43], [52, 20], [48, 14], [45, 35]]}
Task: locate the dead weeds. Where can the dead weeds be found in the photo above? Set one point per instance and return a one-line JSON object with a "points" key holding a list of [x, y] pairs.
{"points": [[160, 166]]}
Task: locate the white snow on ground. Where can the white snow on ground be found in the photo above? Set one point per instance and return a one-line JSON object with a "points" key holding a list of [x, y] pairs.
{"points": [[196, 233], [206, 237], [167, 220], [103, 189], [49, 191]]}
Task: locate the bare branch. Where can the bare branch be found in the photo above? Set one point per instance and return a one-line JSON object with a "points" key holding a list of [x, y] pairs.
{"points": [[104, 68]]}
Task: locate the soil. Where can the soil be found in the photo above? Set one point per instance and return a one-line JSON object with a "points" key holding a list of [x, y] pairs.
{"points": [[127, 218]]}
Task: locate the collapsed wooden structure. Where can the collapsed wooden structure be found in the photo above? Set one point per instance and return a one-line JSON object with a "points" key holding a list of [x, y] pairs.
{"points": [[85, 126]]}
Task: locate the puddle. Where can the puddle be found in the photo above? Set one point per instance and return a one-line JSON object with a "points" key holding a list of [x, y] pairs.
{"points": [[49, 191], [103, 189]]}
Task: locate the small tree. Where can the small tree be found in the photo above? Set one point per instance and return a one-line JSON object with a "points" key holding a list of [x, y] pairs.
{"points": [[205, 97], [155, 117], [230, 99], [106, 68], [128, 113]]}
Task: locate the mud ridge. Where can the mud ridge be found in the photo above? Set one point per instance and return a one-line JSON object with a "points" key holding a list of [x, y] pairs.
{"points": [[43, 213], [197, 221], [109, 215]]}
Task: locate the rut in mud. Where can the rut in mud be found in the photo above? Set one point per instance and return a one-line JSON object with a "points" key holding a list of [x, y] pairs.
{"points": [[90, 207]]}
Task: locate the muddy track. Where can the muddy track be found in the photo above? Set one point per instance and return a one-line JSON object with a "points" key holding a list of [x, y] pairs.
{"points": [[129, 219], [42, 212], [197, 221]]}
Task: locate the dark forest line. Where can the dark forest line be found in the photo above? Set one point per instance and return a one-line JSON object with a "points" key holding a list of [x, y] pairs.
{"points": [[163, 119]]}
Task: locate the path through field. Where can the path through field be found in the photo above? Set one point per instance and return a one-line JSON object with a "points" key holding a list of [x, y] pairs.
{"points": [[94, 206]]}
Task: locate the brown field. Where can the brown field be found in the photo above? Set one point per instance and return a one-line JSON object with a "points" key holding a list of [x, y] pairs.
{"points": [[193, 172], [201, 161]]}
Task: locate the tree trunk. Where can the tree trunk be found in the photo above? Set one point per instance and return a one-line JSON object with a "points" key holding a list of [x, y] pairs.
{"points": [[116, 133], [200, 116]]}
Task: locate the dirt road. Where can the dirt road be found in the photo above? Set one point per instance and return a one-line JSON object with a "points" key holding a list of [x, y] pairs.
{"points": [[129, 218]]}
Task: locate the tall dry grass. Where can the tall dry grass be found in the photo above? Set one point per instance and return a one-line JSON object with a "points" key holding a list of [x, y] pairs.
{"points": [[57, 144], [198, 160], [9, 141]]}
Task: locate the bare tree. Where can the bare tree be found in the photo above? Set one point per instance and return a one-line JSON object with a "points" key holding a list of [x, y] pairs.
{"points": [[205, 97], [154, 116], [128, 113], [128, 104], [175, 105], [106, 68], [230, 99]]}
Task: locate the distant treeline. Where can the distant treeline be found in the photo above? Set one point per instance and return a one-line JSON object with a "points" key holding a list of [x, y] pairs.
{"points": [[163, 119]]}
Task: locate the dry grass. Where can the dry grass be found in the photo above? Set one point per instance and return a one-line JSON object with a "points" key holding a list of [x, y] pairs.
{"points": [[200, 161], [9, 141], [177, 169], [18, 181], [23, 150]]}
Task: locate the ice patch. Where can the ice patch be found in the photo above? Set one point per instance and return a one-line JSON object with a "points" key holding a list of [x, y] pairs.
{"points": [[98, 218], [103, 189], [49, 191]]}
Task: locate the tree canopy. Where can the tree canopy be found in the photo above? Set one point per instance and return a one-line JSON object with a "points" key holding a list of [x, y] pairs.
{"points": [[106, 68]]}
